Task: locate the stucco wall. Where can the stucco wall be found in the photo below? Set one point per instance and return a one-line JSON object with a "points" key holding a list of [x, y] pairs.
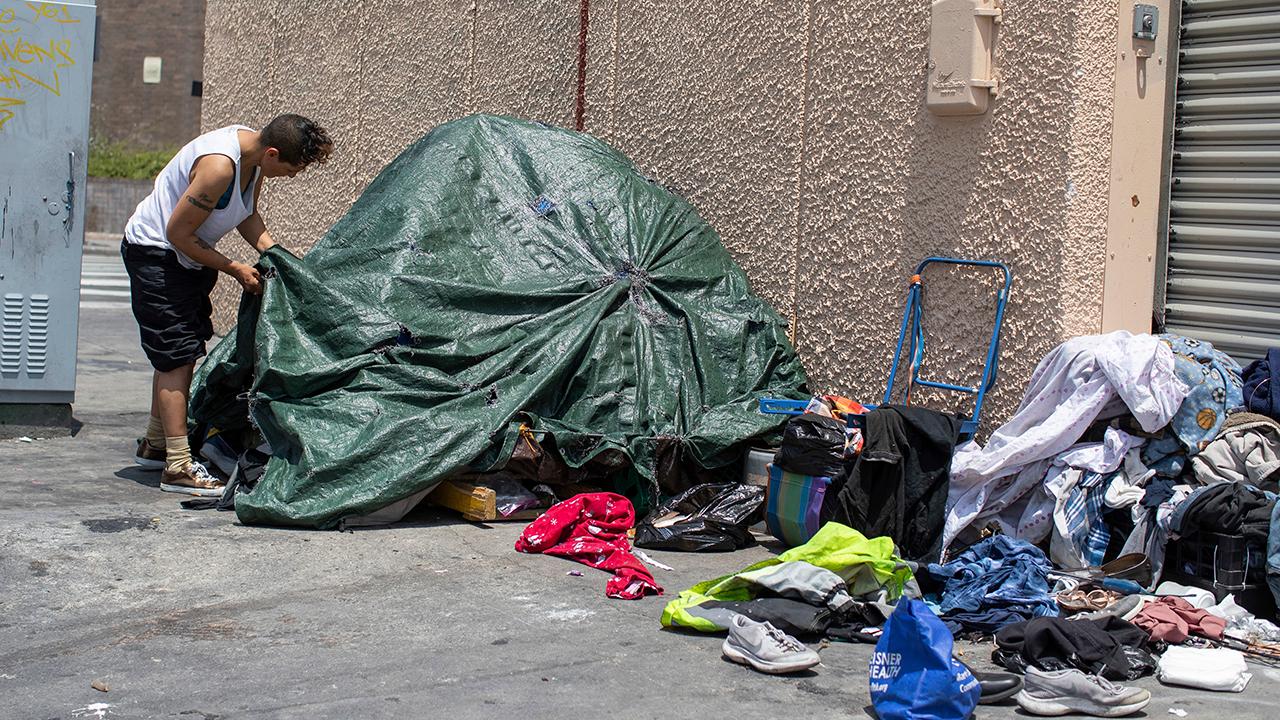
{"points": [[797, 128]]}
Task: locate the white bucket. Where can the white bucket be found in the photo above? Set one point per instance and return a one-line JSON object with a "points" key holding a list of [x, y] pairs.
{"points": [[755, 471]]}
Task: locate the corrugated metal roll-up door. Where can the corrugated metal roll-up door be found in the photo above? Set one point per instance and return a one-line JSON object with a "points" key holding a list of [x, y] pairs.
{"points": [[1223, 271]]}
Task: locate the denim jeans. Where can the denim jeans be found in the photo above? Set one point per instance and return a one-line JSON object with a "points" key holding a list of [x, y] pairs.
{"points": [[995, 583]]}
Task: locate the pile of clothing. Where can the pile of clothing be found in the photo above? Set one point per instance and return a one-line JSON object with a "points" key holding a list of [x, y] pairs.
{"points": [[897, 484], [998, 582], [1114, 433], [886, 474], [1049, 537], [1137, 636], [837, 583]]}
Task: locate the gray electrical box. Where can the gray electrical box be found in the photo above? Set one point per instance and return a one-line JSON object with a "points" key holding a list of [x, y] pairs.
{"points": [[1146, 21], [44, 144]]}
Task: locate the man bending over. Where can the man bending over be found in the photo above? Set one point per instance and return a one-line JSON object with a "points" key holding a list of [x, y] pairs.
{"points": [[209, 188]]}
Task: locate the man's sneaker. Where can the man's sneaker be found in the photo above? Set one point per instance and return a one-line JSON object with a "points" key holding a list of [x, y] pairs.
{"points": [[766, 648], [149, 456], [193, 479], [1064, 692], [220, 453]]}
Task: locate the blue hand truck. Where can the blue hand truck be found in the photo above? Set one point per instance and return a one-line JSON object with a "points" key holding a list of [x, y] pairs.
{"points": [[911, 349]]}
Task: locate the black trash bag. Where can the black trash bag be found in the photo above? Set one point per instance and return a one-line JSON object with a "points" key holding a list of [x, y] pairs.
{"points": [[812, 444], [705, 518]]}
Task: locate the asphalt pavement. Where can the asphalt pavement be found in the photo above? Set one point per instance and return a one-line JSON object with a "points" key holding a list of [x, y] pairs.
{"points": [[191, 616]]}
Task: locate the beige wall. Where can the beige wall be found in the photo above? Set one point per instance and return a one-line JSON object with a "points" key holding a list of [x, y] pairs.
{"points": [[797, 127]]}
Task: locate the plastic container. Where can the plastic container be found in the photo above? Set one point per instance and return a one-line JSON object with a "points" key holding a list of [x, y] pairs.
{"points": [[1223, 565], [1226, 560], [755, 471], [755, 467]]}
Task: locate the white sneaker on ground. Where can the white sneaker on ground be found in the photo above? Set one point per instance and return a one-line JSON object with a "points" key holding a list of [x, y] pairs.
{"points": [[766, 648], [1064, 692]]}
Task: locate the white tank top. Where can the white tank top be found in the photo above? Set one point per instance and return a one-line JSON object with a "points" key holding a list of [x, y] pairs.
{"points": [[147, 226]]}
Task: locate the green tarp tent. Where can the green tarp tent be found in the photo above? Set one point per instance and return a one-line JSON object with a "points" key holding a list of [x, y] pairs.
{"points": [[496, 272]]}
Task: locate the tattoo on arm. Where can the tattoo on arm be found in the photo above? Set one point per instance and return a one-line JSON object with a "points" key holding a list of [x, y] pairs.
{"points": [[205, 203]]}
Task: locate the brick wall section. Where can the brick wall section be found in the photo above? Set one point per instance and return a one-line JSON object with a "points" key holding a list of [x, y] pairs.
{"points": [[125, 109], [111, 202]]}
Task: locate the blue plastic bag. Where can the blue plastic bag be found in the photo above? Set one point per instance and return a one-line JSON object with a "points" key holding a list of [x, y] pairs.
{"points": [[913, 675]]}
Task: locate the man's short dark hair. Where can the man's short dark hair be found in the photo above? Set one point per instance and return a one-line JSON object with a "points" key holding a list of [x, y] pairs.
{"points": [[299, 140]]}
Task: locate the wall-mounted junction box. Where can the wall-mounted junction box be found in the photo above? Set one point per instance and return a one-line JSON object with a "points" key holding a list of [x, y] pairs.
{"points": [[962, 36], [151, 70]]}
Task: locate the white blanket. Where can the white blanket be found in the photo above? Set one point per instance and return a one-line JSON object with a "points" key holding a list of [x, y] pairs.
{"points": [[1068, 391], [1220, 669]]}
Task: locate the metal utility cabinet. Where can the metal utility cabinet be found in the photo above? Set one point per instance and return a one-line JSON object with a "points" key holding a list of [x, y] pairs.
{"points": [[46, 62]]}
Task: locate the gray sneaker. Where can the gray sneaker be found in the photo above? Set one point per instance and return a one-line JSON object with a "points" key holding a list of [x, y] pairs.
{"points": [[1063, 692], [766, 648]]}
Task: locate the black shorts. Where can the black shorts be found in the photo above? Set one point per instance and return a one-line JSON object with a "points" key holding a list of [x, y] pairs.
{"points": [[170, 303]]}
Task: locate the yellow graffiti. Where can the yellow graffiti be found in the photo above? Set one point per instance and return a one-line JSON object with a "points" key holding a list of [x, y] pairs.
{"points": [[25, 53], [13, 80], [5, 113], [52, 11], [28, 68]]}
